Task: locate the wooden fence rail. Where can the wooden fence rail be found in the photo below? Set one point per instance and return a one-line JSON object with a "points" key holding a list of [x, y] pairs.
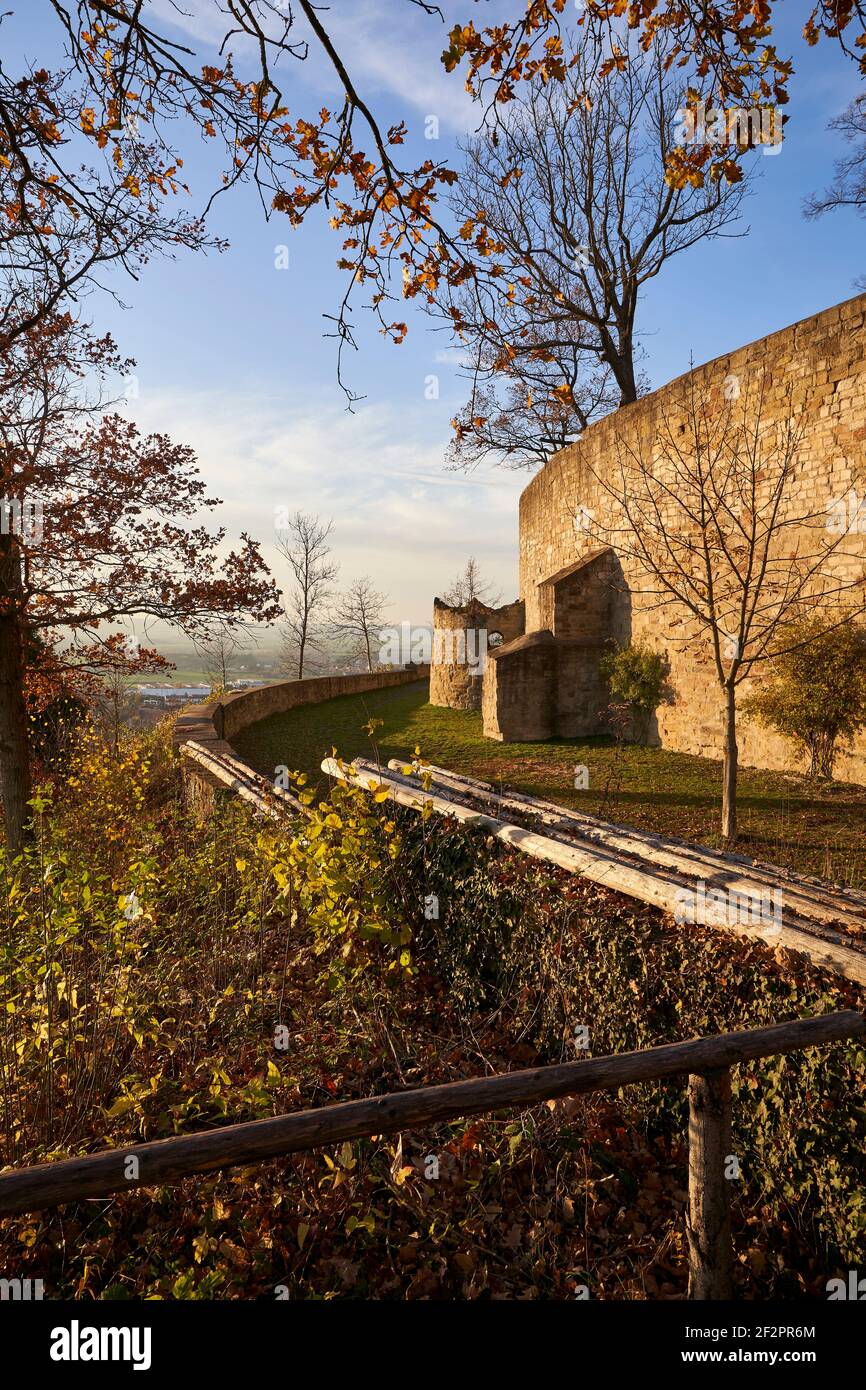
{"points": [[705, 1060]]}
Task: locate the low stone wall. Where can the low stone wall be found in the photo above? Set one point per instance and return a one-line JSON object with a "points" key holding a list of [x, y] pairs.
{"points": [[213, 725]]}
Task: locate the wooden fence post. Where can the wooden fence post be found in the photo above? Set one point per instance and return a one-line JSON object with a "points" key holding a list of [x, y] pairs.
{"points": [[708, 1224]]}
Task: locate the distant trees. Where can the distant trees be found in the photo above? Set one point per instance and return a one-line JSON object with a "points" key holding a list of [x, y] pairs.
{"points": [[217, 652], [815, 692], [314, 573], [97, 529], [718, 535], [359, 615]]}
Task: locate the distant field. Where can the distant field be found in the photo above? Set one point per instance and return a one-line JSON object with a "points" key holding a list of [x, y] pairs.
{"points": [[783, 818]]}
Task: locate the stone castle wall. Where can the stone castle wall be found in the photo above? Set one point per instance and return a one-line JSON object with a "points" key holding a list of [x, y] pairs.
{"points": [[813, 372]]}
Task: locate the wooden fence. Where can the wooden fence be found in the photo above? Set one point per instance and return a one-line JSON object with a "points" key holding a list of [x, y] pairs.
{"points": [[706, 1062]]}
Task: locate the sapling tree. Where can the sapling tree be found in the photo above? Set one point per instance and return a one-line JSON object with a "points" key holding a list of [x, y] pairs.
{"points": [[723, 538], [304, 544], [359, 615]]}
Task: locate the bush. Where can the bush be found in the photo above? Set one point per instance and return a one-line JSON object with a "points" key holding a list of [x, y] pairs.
{"points": [[816, 694], [637, 677]]}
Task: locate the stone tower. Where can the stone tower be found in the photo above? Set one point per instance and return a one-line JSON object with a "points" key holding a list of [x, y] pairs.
{"points": [[462, 635]]}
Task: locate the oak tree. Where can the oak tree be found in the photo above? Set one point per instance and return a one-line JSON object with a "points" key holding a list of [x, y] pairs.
{"points": [[101, 527]]}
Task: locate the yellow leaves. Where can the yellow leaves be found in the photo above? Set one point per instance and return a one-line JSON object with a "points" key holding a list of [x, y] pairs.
{"points": [[87, 120], [202, 1246], [131, 184]]}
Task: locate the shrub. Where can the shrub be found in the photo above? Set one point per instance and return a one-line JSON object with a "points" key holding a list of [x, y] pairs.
{"points": [[637, 677], [550, 952], [816, 694]]}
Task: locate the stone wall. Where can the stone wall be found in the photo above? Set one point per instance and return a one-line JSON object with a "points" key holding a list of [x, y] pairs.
{"points": [[216, 723], [814, 372]]}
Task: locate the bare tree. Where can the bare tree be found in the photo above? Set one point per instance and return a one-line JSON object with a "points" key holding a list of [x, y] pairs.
{"points": [[469, 586], [116, 700], [306, 549], [848, 188], [522, 416], [218, 651], [719, 530], [567, 214], [359, 614]]}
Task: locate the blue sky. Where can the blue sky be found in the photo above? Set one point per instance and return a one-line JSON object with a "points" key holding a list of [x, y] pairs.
{"points": [[231, 357]]}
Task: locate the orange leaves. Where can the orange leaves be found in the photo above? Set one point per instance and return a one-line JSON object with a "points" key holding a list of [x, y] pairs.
{"points": [[88, 120], [617, 62], [463, 39]]}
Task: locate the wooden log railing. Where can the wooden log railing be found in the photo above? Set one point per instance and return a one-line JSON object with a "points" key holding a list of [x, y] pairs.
{"points": [[608, 866], [706, 1061]]}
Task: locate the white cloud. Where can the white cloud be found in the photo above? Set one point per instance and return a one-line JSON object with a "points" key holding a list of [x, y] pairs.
{"points": [[388, 48], [399, 515]]}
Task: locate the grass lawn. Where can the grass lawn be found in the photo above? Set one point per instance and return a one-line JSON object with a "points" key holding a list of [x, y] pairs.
{"points": [[784, 818]]}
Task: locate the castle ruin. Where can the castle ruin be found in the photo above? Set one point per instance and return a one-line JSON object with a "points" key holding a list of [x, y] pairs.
{"points": [[543, 681]]}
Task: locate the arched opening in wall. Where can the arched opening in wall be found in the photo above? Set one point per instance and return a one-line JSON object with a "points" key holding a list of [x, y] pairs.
{"points": [[494, 639]]}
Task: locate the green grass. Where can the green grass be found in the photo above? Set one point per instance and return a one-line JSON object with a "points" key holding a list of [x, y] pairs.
{"points": [[786, 819]]}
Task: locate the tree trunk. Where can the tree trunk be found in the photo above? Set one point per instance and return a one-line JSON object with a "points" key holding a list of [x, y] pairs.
{"points": [[619, 355], [14, 740], [729, 773], [624, 371]]}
